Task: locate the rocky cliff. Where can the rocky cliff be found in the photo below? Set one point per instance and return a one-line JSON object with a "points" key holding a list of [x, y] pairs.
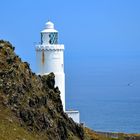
{"points": [[33, 99], [30, 105]]}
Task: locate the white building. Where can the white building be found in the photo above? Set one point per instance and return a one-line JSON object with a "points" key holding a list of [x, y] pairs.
{"points": [[50, 58]]}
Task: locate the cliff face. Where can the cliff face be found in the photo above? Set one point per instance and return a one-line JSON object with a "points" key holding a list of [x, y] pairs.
{"points": [[30, 105], [33, 99]]}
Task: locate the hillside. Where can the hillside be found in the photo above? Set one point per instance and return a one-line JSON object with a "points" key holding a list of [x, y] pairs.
{"points": [[30, 105], [32, 99]]}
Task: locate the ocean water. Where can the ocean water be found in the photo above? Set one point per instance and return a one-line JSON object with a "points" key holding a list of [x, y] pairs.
{"points": [[104, 111], [114, 115], [108, 98], [106, 91]]}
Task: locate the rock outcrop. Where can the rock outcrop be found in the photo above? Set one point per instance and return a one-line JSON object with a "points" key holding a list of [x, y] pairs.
{"points": [[34, 99]]}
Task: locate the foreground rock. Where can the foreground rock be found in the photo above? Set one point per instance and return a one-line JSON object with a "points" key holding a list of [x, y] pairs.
{"points": [[33, 99]]}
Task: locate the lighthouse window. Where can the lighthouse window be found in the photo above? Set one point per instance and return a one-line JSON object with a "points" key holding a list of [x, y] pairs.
{"points": [[53, 38], [41, 38]]}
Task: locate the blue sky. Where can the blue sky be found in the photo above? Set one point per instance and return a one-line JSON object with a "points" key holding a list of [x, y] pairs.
{"points": [[101, 38]]}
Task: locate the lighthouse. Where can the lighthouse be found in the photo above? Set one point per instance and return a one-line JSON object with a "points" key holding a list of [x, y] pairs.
{"points": [[50, 57]]}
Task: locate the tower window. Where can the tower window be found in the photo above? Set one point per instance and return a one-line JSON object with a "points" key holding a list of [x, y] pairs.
{"points": [[53, 38], [41, 38]]}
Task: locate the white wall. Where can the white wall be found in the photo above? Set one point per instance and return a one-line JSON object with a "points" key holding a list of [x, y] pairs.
{"points": [[75, 115]]}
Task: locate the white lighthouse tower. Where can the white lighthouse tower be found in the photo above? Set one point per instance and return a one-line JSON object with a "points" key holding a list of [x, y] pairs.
{"points": [[50, 57]]}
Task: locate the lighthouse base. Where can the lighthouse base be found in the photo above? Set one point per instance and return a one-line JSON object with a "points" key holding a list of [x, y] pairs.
{"points": [[75, 115]]}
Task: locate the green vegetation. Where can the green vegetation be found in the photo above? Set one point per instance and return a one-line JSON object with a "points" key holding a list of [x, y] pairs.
{"points": [[10, 128]]}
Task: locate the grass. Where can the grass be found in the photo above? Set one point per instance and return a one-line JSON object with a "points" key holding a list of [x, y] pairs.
{"points": [[91, 135], [10, 128]]}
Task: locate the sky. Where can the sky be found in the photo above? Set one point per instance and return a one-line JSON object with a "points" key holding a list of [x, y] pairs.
{"points": [[101, 38]]}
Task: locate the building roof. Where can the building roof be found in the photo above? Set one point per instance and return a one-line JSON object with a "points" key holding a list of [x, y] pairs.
{"points": [[49, 27]]}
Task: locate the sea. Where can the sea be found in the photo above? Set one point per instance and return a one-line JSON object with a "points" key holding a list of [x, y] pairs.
{"points": [[111, 106], [106, 91], [107, 112]]}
